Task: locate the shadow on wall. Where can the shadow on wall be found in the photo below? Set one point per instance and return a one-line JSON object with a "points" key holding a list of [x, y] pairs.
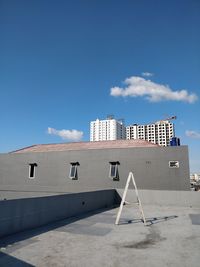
{"points": [[6, 241], [24, 214]]}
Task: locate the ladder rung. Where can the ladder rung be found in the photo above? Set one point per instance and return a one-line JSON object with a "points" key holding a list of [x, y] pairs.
{"points": [[130, 203]]}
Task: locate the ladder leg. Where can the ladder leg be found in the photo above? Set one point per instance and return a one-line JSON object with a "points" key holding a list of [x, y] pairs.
{"points": [[123, 199], [138, 199]]}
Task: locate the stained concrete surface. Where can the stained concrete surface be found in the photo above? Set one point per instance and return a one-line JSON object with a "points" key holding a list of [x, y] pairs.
{"points": [[172, 238]]}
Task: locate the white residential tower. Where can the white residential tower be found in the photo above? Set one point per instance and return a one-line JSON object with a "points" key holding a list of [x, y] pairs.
{"points": [[159, 133], [109, 129]]}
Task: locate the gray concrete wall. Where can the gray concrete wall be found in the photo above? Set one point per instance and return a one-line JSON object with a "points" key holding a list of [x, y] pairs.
{"points": [[164, 198], [149, 165], [21, 214]]}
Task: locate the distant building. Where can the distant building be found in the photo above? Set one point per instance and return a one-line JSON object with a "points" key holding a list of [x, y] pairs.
{"points": [[195, 177], [159, 133], [175, 141], [108, 129], [195, 182]]}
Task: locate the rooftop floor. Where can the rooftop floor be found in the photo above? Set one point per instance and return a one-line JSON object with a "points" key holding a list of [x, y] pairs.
{"points": [[172, 238]]}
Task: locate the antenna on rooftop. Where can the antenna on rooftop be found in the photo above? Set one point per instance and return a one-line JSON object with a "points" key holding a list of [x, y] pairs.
{"points": [[110, 117], [121, 120]]}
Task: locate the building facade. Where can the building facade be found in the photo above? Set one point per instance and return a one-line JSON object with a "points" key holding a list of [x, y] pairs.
{"points": [[42, 170], [108, 129], [159, 133]]}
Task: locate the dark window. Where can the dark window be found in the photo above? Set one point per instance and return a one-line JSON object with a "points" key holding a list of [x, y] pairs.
{"points": [[32, 167], [73, 174], [114, 174], [174, 164]]}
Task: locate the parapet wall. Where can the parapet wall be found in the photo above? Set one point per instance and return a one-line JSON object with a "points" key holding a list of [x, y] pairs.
{"points": [[164, 198], [27, 213], [22, 214]]}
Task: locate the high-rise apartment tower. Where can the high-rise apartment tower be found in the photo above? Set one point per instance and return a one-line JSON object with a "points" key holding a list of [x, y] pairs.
{"points": [[160, 132], [108, 129]]}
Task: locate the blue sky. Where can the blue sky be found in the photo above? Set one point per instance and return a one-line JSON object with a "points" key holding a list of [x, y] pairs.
{"points": [[65, 63]]}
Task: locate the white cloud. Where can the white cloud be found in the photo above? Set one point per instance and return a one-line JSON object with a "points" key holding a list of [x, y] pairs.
{"points": [[193, 134], [153, 92], [70, 135], [147, 74]]}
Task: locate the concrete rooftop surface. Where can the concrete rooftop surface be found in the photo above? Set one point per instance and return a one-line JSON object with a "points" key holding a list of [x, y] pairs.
{"points": [[172, 238]]}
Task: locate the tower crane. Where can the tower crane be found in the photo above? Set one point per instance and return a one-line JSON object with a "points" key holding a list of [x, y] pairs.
{"points": [[168, 119]]}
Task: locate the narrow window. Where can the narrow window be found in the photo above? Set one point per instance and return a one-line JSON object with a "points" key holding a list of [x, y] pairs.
{"points": [[114, 174], [32, 168], [73, 174], [173, 164]]}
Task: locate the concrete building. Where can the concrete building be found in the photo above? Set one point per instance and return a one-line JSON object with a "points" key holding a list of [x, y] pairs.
{"points": [[195, 177], [62, 183], [89, 166], [195, 181], [109, 129], [159, 133]]}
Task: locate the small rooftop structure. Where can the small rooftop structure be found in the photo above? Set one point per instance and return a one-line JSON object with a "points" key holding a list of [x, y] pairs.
{"points": [[86, 146]]}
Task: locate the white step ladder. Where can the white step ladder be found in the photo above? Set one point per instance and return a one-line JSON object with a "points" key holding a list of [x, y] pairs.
{"points": [[130, 177]]}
